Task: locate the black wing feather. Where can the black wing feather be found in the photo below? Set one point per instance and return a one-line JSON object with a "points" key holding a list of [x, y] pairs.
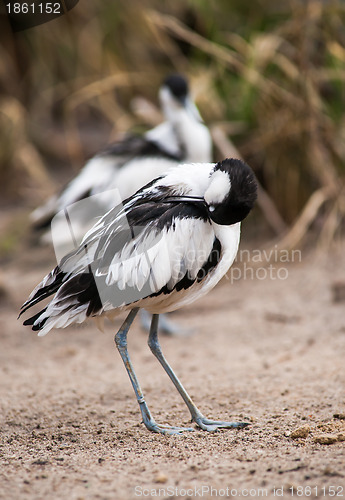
{"points": [[144, 210], [136, 146], [45, 291]]}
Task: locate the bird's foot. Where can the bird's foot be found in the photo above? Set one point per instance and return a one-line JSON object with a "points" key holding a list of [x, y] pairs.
{"points": [[170, 328], [213, 425], [151, 425], [165, 326]]}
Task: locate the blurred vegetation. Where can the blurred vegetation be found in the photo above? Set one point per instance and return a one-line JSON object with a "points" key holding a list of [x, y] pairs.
{"points": [[270, 74]]}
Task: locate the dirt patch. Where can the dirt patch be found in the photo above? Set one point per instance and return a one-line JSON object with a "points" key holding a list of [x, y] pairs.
{"points": [[270, 352]]}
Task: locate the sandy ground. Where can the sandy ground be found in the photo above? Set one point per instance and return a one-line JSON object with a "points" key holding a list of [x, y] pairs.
{"points": [[270, 352]]}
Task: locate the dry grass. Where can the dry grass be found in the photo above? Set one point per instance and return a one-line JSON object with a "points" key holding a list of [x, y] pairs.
{"points": [[270, 77]]}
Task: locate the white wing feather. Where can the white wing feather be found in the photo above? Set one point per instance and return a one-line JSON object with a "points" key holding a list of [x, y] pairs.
{"points": [[163, 259]]}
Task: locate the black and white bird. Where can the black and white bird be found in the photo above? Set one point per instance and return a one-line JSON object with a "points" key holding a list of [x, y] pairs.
{"points": [[169, 244], [122, 168], [133, 162]]}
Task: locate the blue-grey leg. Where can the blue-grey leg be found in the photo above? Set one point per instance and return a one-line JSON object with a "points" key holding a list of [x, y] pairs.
{"points": [[197, 417], [165, 325], [121, 344]]}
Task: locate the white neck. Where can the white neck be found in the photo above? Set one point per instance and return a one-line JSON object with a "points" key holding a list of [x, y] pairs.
{"points": [[193, 136]]}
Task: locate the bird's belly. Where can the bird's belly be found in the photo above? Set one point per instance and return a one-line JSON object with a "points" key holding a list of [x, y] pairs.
{"points": [[229, 237]]}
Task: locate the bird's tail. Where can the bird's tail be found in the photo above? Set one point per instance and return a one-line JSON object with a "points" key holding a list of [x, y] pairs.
{"points": [[48, 286]]}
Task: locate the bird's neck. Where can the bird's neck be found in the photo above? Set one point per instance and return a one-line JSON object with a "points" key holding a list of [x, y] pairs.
{"points": [[193, 137]]}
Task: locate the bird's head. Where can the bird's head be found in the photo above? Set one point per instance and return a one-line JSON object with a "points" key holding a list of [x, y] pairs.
{"points": [[232, 192], [174, 97]]}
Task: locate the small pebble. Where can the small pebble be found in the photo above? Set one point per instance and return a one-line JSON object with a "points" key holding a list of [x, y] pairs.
{"points": [[300, 432], [161, 478], [338, 291], [340, 416], [326, 438]]}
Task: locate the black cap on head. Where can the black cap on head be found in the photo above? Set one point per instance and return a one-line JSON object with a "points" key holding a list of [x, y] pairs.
{"points": [[242, 195], [177, 84]]}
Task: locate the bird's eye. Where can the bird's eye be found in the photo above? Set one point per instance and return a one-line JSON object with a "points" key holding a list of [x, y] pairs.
{"points": [[211, 208]]}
